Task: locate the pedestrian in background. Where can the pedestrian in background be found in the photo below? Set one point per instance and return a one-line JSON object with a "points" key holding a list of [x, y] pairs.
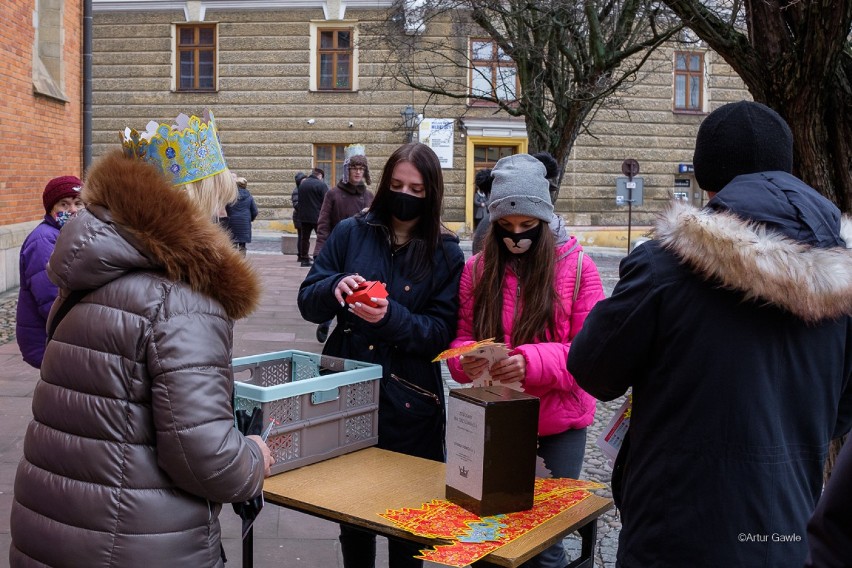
{"points": [[132, 447], [348, 197], [532, 288], [294, 199], [241, 214], [733, 328], [480, 202], [61, 200], [312, 191], [482, 181], [401, 242]]}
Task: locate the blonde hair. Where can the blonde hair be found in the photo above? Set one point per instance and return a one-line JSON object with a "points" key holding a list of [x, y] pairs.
{"points": [[214, 193]]}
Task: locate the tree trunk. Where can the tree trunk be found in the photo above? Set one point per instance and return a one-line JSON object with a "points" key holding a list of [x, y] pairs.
{"points": [[793, 60]]}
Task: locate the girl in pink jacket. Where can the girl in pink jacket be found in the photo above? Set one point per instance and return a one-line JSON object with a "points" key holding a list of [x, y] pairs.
{"points": [[521, 290]]}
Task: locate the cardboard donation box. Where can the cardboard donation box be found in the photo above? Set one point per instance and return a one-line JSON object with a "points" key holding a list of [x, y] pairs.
{"points": [[365, 291], [492, 433], [314, 407]]}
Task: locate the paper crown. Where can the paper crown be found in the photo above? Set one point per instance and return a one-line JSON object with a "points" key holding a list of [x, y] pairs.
{"points": [[353, 150], [186, 152]]}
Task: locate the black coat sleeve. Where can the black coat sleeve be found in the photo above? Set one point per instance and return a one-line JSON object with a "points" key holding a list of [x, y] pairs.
{"points": [[616, 340]]}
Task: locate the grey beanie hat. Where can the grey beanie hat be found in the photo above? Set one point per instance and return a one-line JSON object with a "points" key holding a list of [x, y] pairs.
{"points": [[520, 188]]}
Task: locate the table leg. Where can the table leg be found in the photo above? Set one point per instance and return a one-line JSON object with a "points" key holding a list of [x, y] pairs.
{"points": [[248, 549], [589, 535]]}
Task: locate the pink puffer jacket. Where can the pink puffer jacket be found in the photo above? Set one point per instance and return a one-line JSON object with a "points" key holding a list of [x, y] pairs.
{"points": [[564, 405]]}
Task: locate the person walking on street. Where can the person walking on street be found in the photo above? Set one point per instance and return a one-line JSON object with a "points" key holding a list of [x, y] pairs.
{"points": [[733, 326], [348, 197], [532, 288], [241, 214], [401, 242], [480, 202], [61, 199], [294, 200], [312, 191], [482, 181]]}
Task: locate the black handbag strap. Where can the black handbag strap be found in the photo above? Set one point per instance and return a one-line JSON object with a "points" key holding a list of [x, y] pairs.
{"points": [[70, 301]]}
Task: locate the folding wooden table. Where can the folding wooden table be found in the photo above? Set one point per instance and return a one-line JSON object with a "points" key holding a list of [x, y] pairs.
{"points": [[356, 487]]}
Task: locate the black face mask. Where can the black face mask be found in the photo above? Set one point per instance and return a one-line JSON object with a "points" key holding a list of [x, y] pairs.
{"points": [[406, 207], [518, 243]]}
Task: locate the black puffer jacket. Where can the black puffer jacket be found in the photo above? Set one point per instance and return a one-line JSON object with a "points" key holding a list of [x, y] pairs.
{"points": [[734, 330], [132, 446]]}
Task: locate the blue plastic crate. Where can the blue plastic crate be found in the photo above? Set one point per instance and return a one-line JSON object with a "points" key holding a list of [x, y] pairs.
{"points": [[321, 406]]}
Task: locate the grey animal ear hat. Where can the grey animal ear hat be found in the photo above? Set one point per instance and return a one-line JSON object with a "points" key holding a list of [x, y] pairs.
{"points": [[519, 187]]}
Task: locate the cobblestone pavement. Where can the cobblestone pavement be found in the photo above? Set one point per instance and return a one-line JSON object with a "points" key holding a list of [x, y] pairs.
{"points": [[596, 466]]}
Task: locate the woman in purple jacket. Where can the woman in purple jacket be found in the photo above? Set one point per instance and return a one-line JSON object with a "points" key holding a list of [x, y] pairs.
{"points": [[61, 199], [523, 289]]}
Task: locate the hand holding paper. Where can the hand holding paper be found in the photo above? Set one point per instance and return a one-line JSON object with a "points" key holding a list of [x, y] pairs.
{"points": [[488, 350]]}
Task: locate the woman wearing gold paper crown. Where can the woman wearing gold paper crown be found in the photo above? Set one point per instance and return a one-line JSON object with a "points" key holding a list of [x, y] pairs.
{"points": [[132, 447]]}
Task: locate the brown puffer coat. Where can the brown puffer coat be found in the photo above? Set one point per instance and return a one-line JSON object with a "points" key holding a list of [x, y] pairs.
{"points": [[132, 448]]}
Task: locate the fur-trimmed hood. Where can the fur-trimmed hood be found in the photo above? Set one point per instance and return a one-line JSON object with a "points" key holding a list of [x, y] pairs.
{"points": [[810, 282], [135, 220]]}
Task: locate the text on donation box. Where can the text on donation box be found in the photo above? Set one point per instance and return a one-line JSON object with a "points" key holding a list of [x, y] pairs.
{"points": [[492, 433]]}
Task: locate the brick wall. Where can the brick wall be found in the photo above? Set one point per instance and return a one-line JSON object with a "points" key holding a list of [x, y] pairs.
{"points": [[40, 136]]}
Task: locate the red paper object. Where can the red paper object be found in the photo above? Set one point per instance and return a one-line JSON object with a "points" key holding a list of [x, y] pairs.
{"points": [[365, 291]]}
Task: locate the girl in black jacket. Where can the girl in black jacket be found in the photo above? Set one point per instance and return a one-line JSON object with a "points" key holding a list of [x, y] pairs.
{"points": [[400, 242]]}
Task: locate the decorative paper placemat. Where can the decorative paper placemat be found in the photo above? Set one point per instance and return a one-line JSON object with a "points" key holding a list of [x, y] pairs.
{"points": [[472, 537]]}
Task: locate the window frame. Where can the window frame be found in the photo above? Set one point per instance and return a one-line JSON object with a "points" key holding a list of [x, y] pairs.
{"points": [[335, 51], [495, 62], [331, 168], [687, 75], [196, 48]]}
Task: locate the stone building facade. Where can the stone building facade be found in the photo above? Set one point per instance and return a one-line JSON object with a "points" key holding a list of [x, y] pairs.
{"points": [[292, 82], [40, 116]]}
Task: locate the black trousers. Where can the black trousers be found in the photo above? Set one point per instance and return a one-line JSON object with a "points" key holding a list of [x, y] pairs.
{"points": [[304, 242], [359, 550]]}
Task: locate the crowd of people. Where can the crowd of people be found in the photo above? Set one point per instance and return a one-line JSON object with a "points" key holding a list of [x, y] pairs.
{"points": [[732, 329]]}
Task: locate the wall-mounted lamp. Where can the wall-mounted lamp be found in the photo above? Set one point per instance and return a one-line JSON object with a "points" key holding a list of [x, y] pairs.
{"points": [[409, 122]]}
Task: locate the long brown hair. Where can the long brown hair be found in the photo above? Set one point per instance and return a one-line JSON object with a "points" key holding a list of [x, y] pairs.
{"points": [[427, 233], [535, 315]]}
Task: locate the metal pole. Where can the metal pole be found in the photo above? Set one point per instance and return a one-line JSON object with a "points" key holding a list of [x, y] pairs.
{"points": [[87, 84], [629, 211]]}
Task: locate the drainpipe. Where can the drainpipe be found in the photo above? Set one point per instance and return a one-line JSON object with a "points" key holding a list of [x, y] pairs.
{"points": [[87, 84]]}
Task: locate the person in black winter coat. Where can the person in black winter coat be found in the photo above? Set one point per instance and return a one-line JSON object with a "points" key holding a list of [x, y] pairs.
{"points": [[297, 222], [830, 527], [241, 213], [312, 191], [733, 327], [401, 242], [482, 181]]}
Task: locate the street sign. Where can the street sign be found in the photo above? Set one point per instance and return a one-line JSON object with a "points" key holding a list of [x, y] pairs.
{"points": [[629, 192], [630, 167]]}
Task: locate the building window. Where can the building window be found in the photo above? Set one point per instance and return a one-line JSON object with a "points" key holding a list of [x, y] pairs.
{"points": [[689, 81], [49, 49], [493, 73], [335, 57], [196, 55], [486, 156], [329, 158]]}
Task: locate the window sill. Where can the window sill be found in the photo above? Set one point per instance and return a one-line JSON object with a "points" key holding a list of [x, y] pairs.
{"points": [[333, 91], [688, 111]]}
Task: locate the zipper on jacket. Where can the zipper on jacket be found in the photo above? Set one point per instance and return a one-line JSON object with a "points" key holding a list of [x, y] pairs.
{"points": [[418, 389]]}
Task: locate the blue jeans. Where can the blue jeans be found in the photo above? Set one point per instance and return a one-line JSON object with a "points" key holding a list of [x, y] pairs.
{"points": [[563, 456]]}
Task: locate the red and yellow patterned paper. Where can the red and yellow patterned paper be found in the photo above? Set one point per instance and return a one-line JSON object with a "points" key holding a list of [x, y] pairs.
{"points": [[441, 519]]}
